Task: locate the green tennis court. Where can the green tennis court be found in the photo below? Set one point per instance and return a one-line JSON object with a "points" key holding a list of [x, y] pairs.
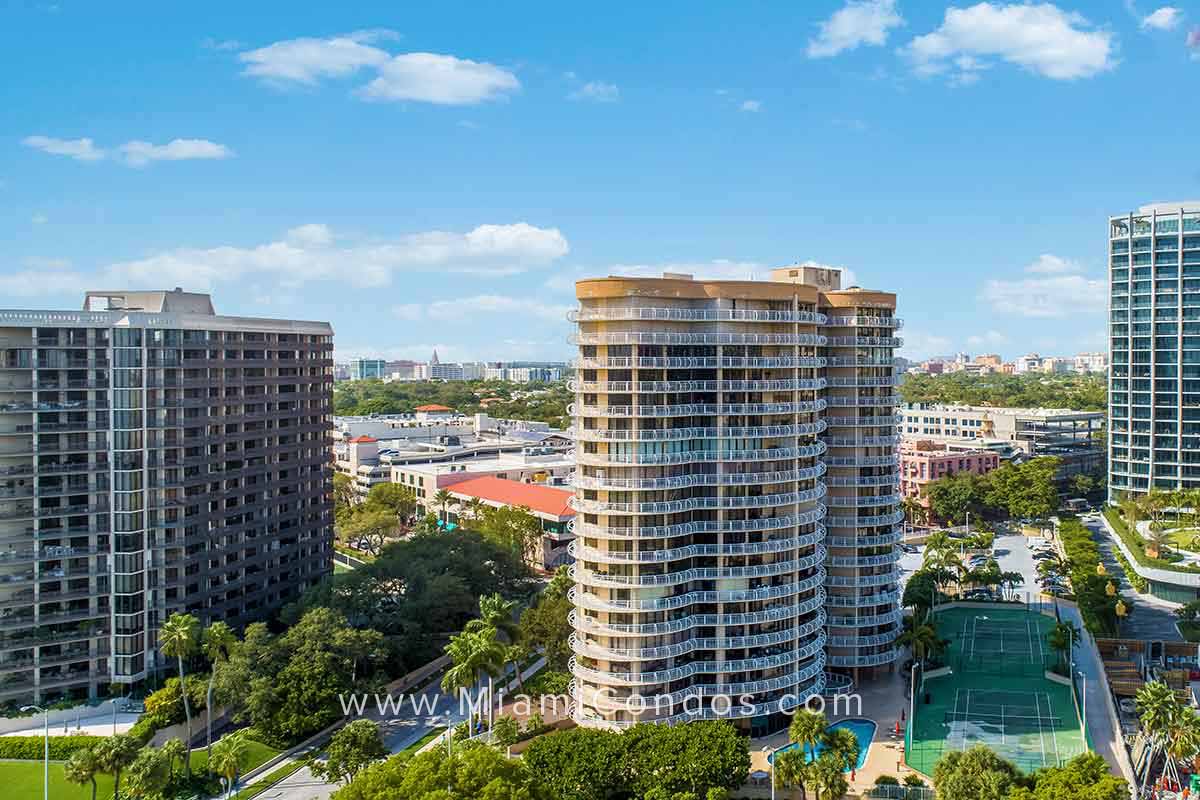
{"points": [[996, 693]]}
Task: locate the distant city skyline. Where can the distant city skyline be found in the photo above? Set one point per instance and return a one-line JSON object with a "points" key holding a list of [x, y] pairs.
{"points": [[434, 178]]}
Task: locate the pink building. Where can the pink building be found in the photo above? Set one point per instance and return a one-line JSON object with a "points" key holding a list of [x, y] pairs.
{"points": [[924, 461]]}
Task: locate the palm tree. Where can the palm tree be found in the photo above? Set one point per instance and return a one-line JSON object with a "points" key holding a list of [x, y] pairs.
{"points": [[174, 750], [1009, 581], [499, 616], [1158, 711], [473, 655], [475, 508], [1060, 638], [443, 500], [113, 754], [842, 744], [922, 641], [218, 641], [227, 758], [827, 774], [1157, 540], [806, 729], [790, 768], [81, 767], [911, 507], [177, 638]]}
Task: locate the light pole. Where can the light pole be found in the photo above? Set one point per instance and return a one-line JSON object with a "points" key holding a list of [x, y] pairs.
{"points": [[771, 767], [1083, 700], [46, 755]]}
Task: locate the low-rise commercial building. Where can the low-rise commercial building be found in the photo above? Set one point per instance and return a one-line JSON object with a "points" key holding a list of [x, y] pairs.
{"points": [[923, 461], [549, 504]]}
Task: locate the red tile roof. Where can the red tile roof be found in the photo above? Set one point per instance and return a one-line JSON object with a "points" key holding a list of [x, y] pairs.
{"points": [[433, 407], [363, 440], [549, 500]]}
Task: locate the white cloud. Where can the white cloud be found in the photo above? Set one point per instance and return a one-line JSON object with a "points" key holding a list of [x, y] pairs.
{"points": [[597, 92], [307, 60], [78, 149], [859, 22], [1056, 296], [919, 345], [465, 307], [1041, 38], [440, 79], [987, 339], [311, 252], [138, 153], [1047, 264], [39, 219], [753, 106], [134, 153], [1166, 18], [41, 281]]}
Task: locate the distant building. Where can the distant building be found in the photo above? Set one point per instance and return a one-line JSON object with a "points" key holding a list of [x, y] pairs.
{"points": [[1091, 362], [923, 461], [549, 504], [933, 367], [989, 360], [1027, 363], [1014, 433], [364, 368], [1056, 365], [433, 412]]}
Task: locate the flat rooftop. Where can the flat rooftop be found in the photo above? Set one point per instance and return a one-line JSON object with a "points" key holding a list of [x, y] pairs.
{"points": [[1044, 413]]}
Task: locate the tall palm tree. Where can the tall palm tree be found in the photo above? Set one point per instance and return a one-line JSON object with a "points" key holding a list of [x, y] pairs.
{"points": [[1157, 540], [842, 744], [1060, 638], [218, 641], [475, 508], [227, 758], [1183, 739], [174, 750], [113, 754], [922, 641], [81, 767], [806, 729], [473, 656], [443, 500], [178, 638], [1009, 581], [1158, 711], [790, 768], [499, 617], [827, 774]]}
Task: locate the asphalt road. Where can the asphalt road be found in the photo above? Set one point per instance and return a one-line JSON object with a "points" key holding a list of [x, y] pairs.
{"points": [[1152, 619]]}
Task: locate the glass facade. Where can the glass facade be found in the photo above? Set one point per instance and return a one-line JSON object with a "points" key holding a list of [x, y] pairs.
{"points": [[1154, 346]]}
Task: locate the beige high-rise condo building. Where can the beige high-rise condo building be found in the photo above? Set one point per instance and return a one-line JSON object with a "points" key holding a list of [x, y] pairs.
{"points": [[737, 496]]}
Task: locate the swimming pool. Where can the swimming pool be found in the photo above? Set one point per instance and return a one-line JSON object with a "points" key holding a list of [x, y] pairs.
{"points": [[863, 730]]}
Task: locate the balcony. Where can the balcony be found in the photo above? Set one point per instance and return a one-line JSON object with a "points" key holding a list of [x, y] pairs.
{"points": [[654, 314], [650, 337]]}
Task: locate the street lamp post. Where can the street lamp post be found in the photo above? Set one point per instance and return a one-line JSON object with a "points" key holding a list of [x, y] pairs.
{"points": [[46, 752]]}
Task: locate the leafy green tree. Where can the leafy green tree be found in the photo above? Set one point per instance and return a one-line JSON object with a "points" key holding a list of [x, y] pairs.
{"points": [[81, 767], [178, 639], [920, 591], [581, 763], [113, 754], [370, 528], [1085, 777], [148, 775], [546, 624], [689, 758], [217, 641], [344, 496], [472, 772], [974, 774], [350, 750], [506, 731], [513, 527], [174, 750], [952, 497], [228, 754], [789, 769]]}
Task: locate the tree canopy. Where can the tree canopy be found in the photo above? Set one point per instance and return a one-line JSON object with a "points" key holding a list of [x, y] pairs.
{"points": [[1086, 392], [548, 402]]}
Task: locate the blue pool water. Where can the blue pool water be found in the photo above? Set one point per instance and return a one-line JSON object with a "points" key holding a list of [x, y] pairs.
{"points": [[863, 730]]}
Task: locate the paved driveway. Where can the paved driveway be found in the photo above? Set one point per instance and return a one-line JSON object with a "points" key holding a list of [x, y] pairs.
{"points": [[1152, 619]]}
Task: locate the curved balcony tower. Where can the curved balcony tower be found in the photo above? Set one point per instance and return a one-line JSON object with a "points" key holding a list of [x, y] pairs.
{"points": [[702, 569]]}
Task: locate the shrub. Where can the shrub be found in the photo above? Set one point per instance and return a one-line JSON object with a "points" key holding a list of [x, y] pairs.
{"points": [[33, 747], [507, 731], [913, 779], [534, 723], [887, 780], [548, 682]]}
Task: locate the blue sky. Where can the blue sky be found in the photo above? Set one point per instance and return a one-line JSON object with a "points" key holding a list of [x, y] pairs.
{"points": [[439, 174]]}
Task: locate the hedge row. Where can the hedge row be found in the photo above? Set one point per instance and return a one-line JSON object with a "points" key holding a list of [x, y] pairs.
{"points": [[33, 747], [1137, 545]]}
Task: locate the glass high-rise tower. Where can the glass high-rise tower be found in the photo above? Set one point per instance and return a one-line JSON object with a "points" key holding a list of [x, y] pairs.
{"points": [[1154, 339]]}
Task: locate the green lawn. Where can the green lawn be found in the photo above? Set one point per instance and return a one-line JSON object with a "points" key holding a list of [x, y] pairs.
{"points": [[338, 569], [419, 743], [268, 780], [256, 753], [23, 779]]}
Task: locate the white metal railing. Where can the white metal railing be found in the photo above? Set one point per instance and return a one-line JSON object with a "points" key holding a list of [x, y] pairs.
{"points": [[588, 600], [693, 528], [865, 561], [867, 380], [865, 322], [866, 522], [700, 456], [701, 667], [871, 640], [862, 441], [590, 649], [697, 503], [667, 314], [583, 552], [861, 600], [652, 337], [865, 341], [669, 434], [770, 614], [587, 577], [871, 660], [869, 421], [864, 500], [864, 461], [859, 361], [881, 540], [865, 621], [701, 479], [838, 401], [697, 409], [658, 387], [882, 579], [863, 480], [702, 362]]}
